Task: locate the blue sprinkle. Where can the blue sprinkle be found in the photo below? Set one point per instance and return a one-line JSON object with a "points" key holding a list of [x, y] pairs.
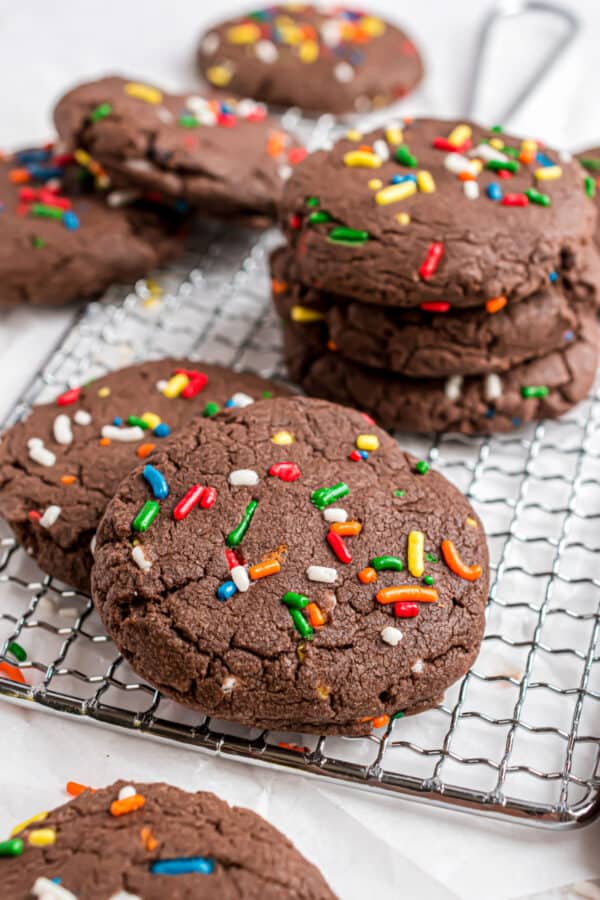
{"points": [[400, 179], [157, 482], [363, 454], [356, 57], [494, 191], [199, 864], [44, 173], [225, 108], [516, 422], [162, 430], [490, 413], [553, 277], [182, 206], [543, 160], [569, 336], [32, 156], [70, 220], [56, 880], [118, 421], [229, 403], [226, 590]]}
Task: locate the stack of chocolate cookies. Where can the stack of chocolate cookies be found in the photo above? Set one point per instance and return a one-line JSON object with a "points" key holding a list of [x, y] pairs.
{"points": [[440, 276]]}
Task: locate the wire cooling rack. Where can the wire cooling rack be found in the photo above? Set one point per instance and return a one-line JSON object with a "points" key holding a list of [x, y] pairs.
{"points": [[518, 737]]}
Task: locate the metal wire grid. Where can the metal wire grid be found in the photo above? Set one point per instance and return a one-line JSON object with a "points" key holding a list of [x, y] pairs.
{"points": [[519, 736]]}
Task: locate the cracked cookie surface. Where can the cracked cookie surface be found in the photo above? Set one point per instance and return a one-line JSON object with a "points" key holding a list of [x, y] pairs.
{"points": [[252, 611]]}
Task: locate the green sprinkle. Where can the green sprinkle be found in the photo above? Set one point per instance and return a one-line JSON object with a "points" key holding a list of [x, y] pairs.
{"points": [[294, 600], [380, 563], [590, 186], [319, 216], [312, 201], [535, 391], [398, 715], [591, 164], [323, 497], [44, 211], [501, 165], [188, 121], [405, 157], [146, 515], [38, 242], [431, 557], [399, 493], [101, 112], [537, 197], [342, 235], [422, 467], [429, 579], [13, 847], [511, 151], [135, 420], [302, 627], [17, 651], [267, 394], [235, 537], [497, 129], [211, 409]]}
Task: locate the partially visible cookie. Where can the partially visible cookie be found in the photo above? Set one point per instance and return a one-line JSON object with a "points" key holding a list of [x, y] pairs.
{"points": [[153, 841], [335, 582], [226, 157], [319, 59], [60, 237], [590, 160], [61, 466]]}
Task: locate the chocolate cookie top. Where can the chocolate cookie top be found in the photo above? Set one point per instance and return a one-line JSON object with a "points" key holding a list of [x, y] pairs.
{"points": [[61, 239], [225, 156], [436, 212], [154, 841], [590, 160], [334, 60], [60, 467], [334, 582]]}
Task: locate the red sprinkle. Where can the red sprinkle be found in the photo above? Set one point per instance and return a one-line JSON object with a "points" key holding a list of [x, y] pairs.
{"points": [[13, 673], [257, 115], [441, 143], [339, 548], [504, 173], [403, 610], [355, 456], [34, 515], [50, 198], [197, 382], [515, 200], [285, 471], [296, 155], [188, 502], [209, 498], [233, 558], [295, 221], [432, 260], [436, 306], [226, 120], [368, 418], [70, 396]]}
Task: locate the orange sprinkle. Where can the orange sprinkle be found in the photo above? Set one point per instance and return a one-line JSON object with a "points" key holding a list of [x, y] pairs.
{"points": [[526, 157], [495, 304], [75, 789], [367, 576], [278, 287], [148, 839], [332, 346], [456, 565], [262, 569], [380, 721], [145, 450], [407, 592], [68, 479], [12, 672], [315, 616], [348, 529], [104, 442], [466, 176], [365, 148], [19, 176], [129, 804], [276, 143]]}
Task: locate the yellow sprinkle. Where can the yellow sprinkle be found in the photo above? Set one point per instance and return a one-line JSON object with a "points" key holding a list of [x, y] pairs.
{"points": [[472, 522], [82, 157], [39, 817], [548, 173], [416, 548], [175, 385], [154, 287], [289, 33], [362, 159], [497, 144], [459, 135], [354, 135], [42, 837], [403, 218], [104, 392], [396, 192], [372, 26], [375, 184], [323, 691], [301, 652], [529, 146], [143, 92], [283, 438], [425, 182], [309, 51], [151, 420], [394, 135], [248, 33], [367, 442], [304, 314], [220, 76], [476, 166]]}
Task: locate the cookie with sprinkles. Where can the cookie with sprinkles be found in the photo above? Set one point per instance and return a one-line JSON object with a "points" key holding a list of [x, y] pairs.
{"points": [[149, 842], [64, 237], [543, 387], [316, 58], [61, 465], [431, 212], [426, 344], [314, 595], [590, 160], [225, 156]]}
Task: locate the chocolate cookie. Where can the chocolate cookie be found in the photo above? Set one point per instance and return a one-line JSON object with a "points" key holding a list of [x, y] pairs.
{"points": [[590, 160], [546, 387], [437, 212], [60, 467], [154, 841], [426, 344], [62, 240], [334, 60], [334, 583], [226, 157]]}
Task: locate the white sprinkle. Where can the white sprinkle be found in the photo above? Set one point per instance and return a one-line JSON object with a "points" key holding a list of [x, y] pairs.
{"points": [[391, 636], [457, 163], [241, 399], [453, 387], [93, 546], [165, 115], [140, 558], [62, 430], [127, 791], [471, 189], [487, 152], [335, 514], [122, 198], [134, 433], [124, 895], [565, 156], [32, 443], [82, 417], [284, 172], [381, 148], [44, 889], [321, 573], [417, 667], [202, 111], [331, 32], [246, 107], [266, 51], [161, 385], [240, 578], [50, 516], [228, 684], [344, 72], [246, 477], [40, 454], [138, 165], [493, 386], [211, 42]]}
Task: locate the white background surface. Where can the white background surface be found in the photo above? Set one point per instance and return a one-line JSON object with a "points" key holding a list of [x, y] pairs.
{"points": [[364, 844]]}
